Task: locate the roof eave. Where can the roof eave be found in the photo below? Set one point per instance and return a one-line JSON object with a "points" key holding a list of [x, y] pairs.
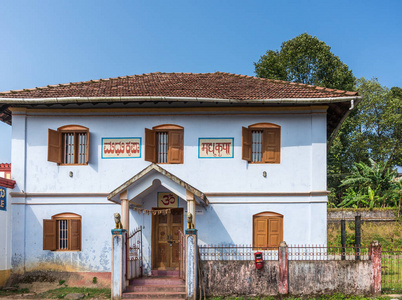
{"points": [[72, 100]]}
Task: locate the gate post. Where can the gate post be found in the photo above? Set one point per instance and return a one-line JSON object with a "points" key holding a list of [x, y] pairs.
{"points": [[191, 264], [376, 261], [119, 264], [283, 283]]}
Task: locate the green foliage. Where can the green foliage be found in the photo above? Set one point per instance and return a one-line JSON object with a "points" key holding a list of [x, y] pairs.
{"points": [[370, 186], [306, 59], [94, 280], [61, 282], [373, 130]]}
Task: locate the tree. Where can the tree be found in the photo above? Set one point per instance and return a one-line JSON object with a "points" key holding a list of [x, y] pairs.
{"points": [[306, 59]]}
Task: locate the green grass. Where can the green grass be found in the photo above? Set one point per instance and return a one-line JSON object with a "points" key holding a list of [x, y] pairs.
{"points": [[391, 273], [89, 293], [16, 292]]}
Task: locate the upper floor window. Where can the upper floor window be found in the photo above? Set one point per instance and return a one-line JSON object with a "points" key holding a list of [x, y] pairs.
{"points": [[164, 144], [62, 232], [69, 145], [261, 143], [267, 229]]}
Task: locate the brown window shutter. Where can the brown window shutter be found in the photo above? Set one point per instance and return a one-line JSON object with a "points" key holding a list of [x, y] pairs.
{"points": [[272, 145], [150, 145], [54, 146], [275, 231], [175, 153], [87, 148], [75, 234], [49, 235], [246, 144], [260, 232]]}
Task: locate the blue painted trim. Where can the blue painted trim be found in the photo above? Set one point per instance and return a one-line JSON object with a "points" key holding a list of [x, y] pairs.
{"points": [[218, 138], [118, 231], [3, 198], [157, 199], [116, 138]]}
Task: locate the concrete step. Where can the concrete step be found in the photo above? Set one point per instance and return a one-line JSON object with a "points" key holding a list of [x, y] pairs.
{"points": [[174, 273], [154, 295], [156, 288], [159, 280]]}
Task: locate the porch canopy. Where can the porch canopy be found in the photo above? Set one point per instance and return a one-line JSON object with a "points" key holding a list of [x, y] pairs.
{"points": [[147, 181]]}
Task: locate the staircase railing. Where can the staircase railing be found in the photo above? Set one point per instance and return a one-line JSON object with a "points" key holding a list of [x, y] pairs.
{"points": [[182, 255], [134, 254]]}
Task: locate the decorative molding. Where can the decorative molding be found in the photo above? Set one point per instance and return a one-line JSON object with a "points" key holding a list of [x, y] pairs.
{"points": [[268, 194], [58, 195]]}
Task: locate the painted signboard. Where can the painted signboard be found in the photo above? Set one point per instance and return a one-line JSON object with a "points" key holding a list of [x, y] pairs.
{"points": [[167, 200], [215, 147], [3, 198], [129, 147]]}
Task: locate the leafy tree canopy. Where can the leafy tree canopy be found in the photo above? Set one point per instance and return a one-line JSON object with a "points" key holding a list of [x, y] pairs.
{"points": [[306, 59]]}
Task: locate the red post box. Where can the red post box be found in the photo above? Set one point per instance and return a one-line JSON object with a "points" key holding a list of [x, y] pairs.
{"points": [[259, 262]]}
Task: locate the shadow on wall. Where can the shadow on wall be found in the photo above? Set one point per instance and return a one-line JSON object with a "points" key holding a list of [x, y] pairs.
{"points": [[209, 222]]}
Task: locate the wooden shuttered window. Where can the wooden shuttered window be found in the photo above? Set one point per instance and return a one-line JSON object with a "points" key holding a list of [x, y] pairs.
{"points": [[175, 152], [69, 145], [54, 146], [261, 143], [267, 230], [272, 145], [246, 144], [164, 144], [62, 233], [150, 145], [49, 235], [75, 234]]}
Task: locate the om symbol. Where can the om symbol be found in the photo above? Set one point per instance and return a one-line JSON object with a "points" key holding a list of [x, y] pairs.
{"points": [[168, 199], [2, 193]]}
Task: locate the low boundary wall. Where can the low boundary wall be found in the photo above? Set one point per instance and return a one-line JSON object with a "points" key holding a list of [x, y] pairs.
{"points": [[229, 278], [296, 271]]}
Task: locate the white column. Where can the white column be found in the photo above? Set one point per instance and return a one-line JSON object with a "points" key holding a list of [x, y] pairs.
{"points": [[119, 254], [125, 211], [191, 205]]}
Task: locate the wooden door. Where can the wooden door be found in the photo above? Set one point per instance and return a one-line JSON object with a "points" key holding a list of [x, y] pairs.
{"points": [[166, 239]]}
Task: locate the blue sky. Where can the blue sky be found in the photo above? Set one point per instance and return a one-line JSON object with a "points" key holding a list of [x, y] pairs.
{"points": [[50, 42]]}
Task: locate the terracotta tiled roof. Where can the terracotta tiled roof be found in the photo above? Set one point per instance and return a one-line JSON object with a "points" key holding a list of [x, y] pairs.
{"points": [[209, 85], [5, 166], [7, 183]]}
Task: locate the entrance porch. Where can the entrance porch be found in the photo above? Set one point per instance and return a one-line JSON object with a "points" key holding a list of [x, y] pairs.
{"points": [[154, 206]]}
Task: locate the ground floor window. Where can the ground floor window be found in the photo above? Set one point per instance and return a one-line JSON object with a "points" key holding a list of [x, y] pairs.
{"points": [[267, 229], [62, 232]]}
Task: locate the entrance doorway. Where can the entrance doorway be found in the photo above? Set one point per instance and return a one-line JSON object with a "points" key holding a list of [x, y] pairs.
{"points": [[165, 238]]}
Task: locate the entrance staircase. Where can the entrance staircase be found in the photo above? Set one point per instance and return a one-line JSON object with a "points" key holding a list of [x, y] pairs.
{"points": [[161, 285]]}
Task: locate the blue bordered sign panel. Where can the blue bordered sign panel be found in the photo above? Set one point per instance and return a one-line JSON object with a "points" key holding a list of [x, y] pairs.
{"points": [[121, 147], [3, 198], [215, 147]]}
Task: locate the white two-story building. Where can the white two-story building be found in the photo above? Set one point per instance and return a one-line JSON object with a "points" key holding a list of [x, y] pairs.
{"points": [[245, 155]]}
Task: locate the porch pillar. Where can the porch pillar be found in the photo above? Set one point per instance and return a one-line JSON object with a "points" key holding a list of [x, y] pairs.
{"points": [[192, 264], [191, 204], [124, 211], [119, 253]]}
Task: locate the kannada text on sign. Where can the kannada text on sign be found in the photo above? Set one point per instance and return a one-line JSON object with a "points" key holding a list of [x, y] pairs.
{"points": [[121, 147]]}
